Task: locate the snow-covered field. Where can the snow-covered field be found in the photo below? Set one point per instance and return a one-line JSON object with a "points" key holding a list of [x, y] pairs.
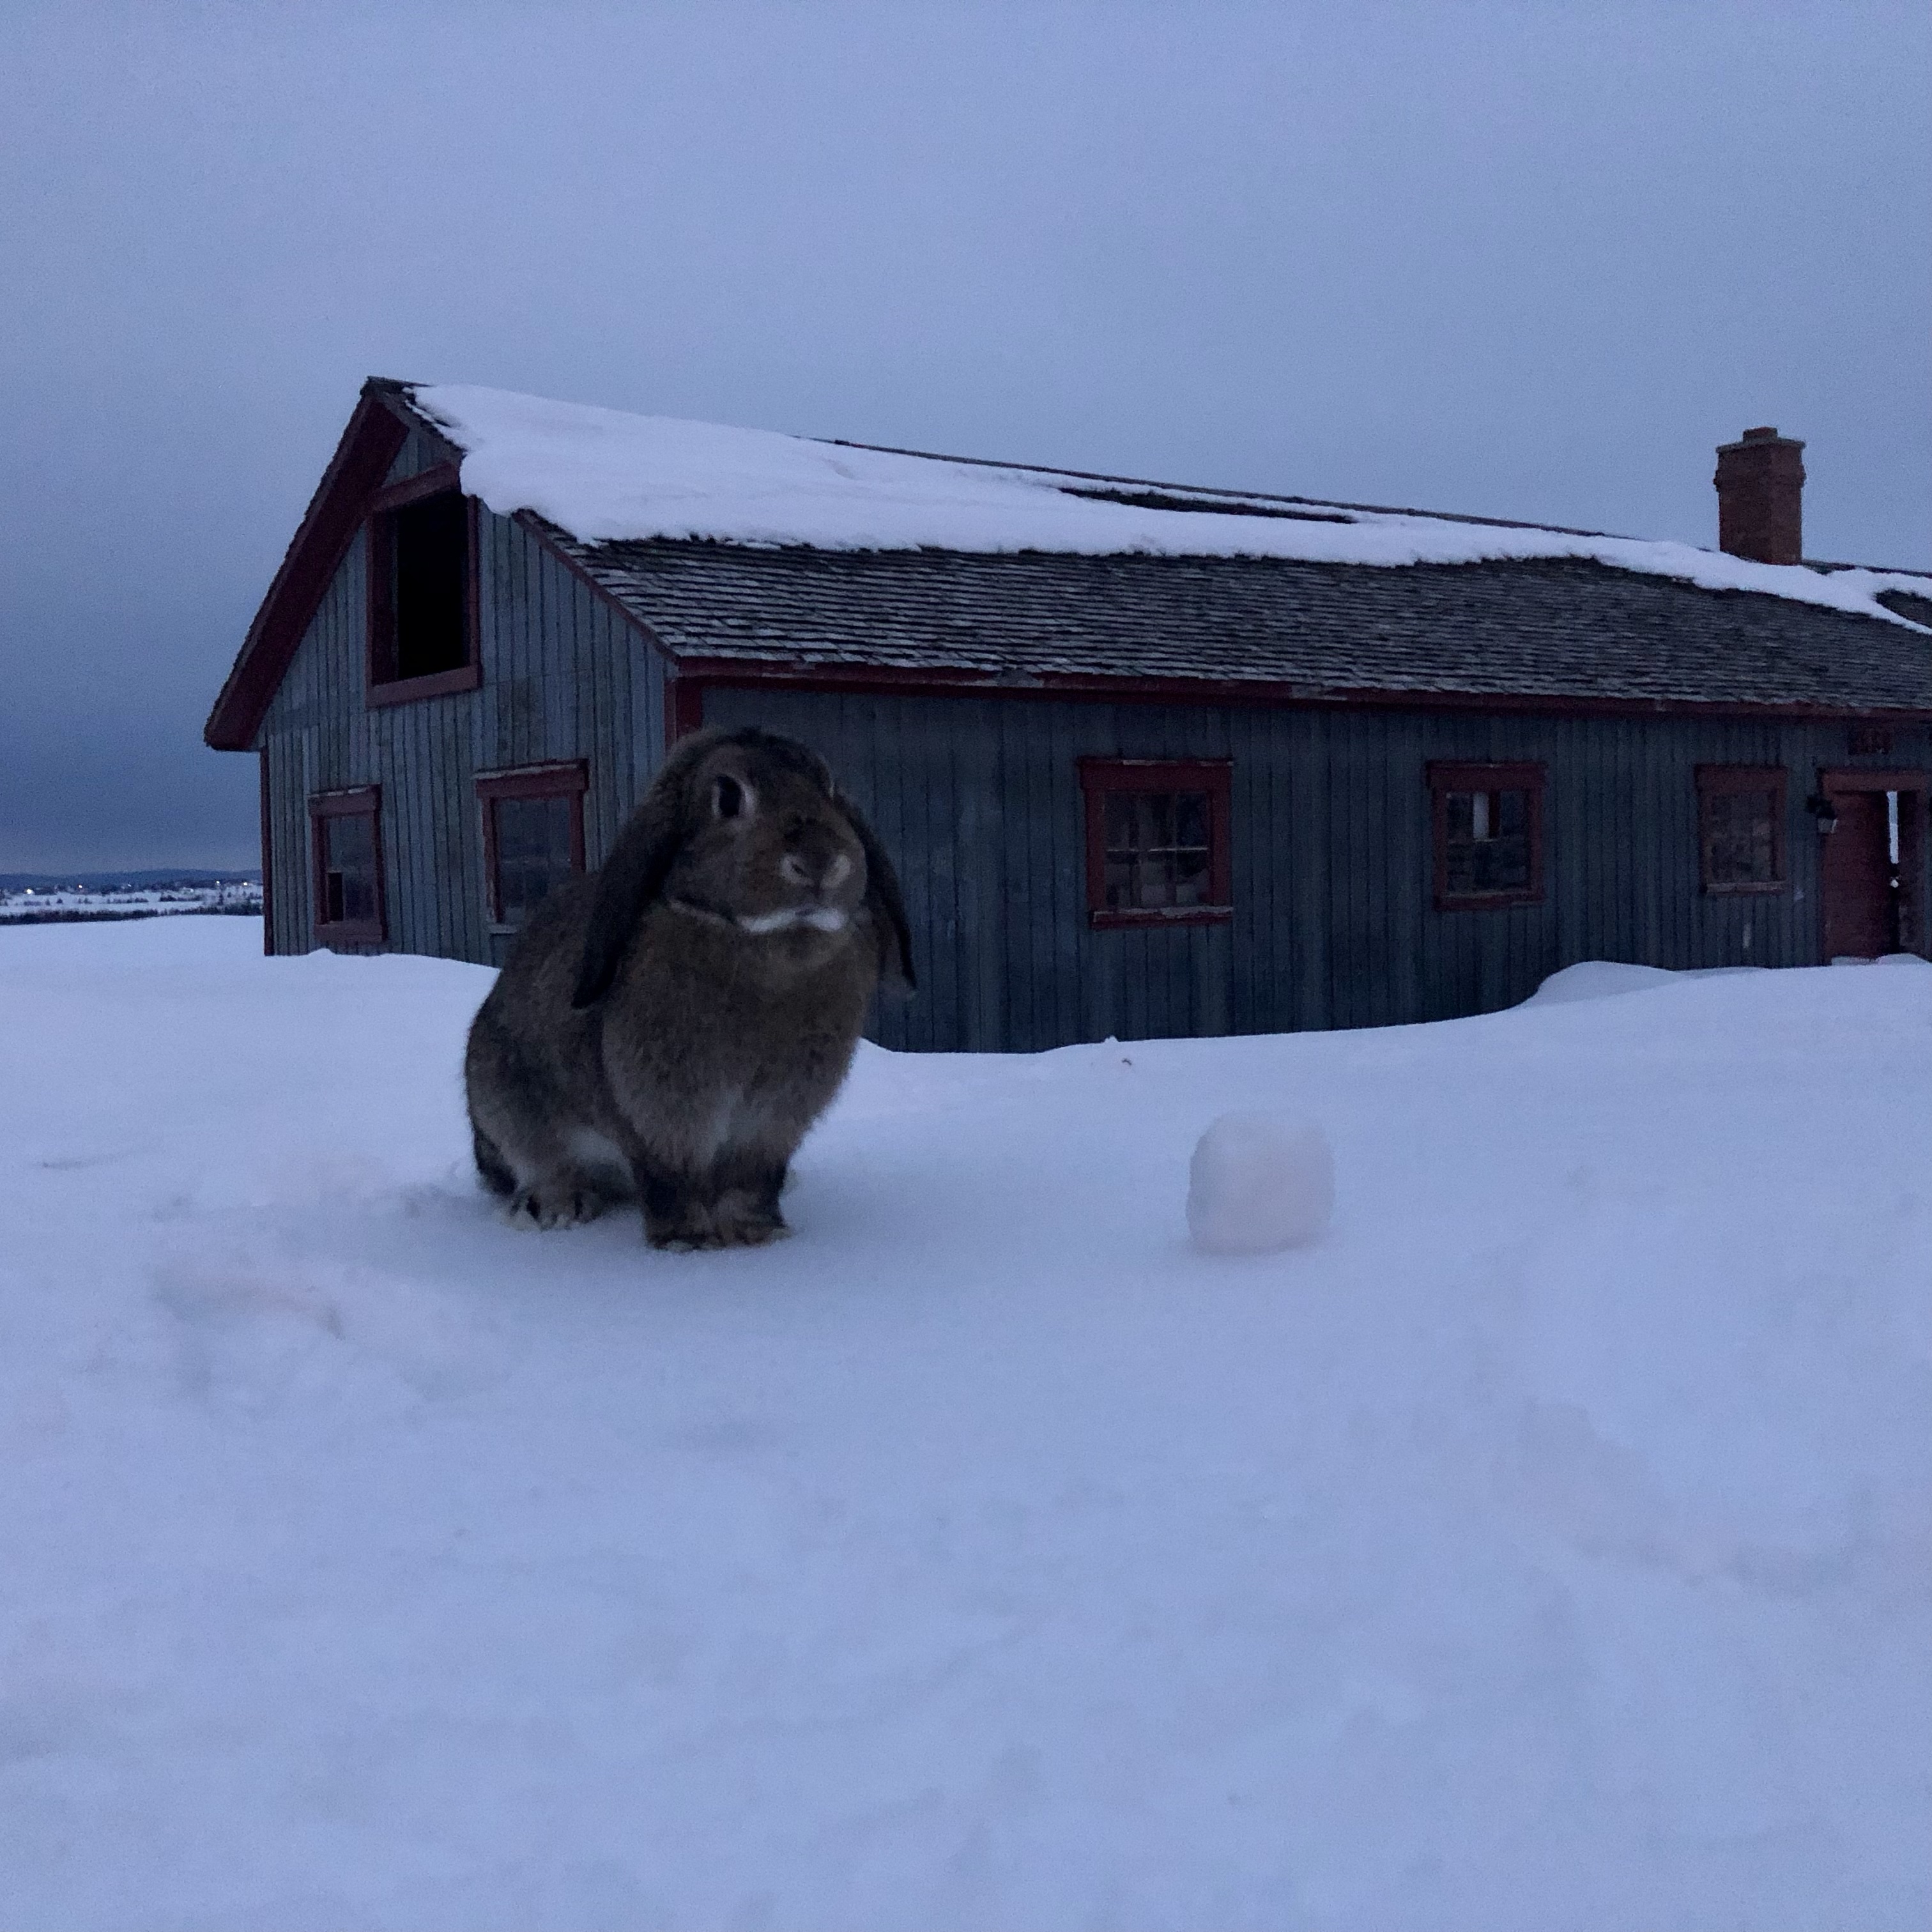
{"points": [[1550, 1546], [30, 905]]}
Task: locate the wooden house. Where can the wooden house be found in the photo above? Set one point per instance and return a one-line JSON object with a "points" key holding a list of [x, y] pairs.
{"points": [[1151, 759]]}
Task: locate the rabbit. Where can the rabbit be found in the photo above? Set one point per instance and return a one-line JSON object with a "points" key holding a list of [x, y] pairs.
{"points": [[666, 1030]]}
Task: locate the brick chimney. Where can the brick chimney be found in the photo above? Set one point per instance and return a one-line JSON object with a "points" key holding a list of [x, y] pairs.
{"points": [[1760, 483]]}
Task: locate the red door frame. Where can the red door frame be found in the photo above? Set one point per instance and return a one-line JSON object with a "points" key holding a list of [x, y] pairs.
{"points": [[1917, 784]]}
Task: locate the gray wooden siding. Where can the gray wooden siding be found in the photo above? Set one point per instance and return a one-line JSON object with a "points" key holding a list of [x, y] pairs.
{"points": [[420, 451], [563, 676], [980, 801]]}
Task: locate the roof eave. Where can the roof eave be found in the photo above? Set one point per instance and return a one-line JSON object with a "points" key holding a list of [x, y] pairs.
{"points": [[975, 681]]}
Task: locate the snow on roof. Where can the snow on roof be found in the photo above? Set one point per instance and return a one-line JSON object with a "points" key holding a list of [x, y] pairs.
{"points": [[606, 475]]}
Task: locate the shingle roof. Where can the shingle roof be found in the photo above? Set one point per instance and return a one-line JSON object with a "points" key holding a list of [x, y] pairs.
{"points": [[604, 476], [1546, 629]]}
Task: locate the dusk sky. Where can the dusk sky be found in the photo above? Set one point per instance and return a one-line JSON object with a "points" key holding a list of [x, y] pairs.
{"points": [[1525, 260]]}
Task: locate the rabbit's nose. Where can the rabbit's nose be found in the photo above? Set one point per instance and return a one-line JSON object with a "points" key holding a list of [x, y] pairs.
{"points": [[830, 870]]}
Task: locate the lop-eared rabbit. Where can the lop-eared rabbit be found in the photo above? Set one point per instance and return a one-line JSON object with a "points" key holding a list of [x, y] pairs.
{"points": [[666, 1030]]}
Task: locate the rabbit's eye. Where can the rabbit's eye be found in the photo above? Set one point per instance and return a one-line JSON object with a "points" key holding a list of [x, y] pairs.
{"points": [[728, 799]]}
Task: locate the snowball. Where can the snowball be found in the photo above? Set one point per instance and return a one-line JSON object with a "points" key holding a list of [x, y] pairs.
{"points": [[1257, 1184]]}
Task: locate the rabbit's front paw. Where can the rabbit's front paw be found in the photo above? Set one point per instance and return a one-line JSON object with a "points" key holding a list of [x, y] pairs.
{"points": [[748, 1218], [562, 1205], [737, 1219]]}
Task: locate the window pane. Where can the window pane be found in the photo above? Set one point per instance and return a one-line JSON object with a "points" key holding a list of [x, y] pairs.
{"points": [[1190, 819], [1193, 878], [429, 562], [1154, 869], [532, 851], [1485, 842], [1156, 820], [348, 846], [1158, 850], [1740, 838], [1501, 865]]}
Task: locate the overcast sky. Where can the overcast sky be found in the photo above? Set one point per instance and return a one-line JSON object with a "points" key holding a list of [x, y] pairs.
{"points": [[1528, 260]]}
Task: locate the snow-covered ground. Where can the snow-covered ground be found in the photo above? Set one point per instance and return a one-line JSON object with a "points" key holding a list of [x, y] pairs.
{"points": [[1548, 1546]]}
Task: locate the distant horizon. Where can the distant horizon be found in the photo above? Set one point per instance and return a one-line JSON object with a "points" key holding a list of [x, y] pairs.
{"points": [[23, 879]]}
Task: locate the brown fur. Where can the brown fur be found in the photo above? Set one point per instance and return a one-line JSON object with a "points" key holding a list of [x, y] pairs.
{"points": [[642, 1043]]}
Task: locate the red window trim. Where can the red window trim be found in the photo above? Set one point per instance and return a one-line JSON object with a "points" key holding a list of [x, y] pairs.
{"points": [[351, 802], [1446, 776], [1713, 779], [437, 684], [1215, 776], [379, 620], [430, 482], [684, 708], [566, 778]]}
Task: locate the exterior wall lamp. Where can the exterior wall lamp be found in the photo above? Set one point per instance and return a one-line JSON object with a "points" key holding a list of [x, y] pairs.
{"points": [[1821, 809]]}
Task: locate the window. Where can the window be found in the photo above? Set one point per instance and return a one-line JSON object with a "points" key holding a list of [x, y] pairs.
{"points": [[1740, 827], [422, 590], [1157, 846], [347, 833], [1488, 835], [533, 835]]}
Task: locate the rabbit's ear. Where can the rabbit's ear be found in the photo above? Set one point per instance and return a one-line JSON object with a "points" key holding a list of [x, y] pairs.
{"points": [[632, 878], [882, 894]]}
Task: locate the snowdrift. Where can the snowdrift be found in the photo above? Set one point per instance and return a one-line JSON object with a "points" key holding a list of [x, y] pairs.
{"points": [[1547, 1546]]}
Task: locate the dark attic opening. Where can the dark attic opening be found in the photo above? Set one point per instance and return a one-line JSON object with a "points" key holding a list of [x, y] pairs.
{"points": [[420, 614]]}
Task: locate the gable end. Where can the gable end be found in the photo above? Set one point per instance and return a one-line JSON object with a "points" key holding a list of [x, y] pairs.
{"points": [[376, 433]]}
